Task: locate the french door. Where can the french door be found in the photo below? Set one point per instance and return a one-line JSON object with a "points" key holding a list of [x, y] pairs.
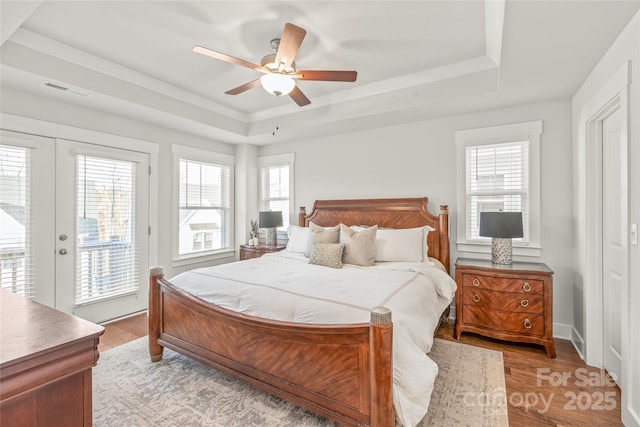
{"points": [[93, 225]]}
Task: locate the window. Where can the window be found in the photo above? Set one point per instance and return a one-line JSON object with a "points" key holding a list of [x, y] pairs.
{"points": [[204, 220], [276, 185], [499, 171]]}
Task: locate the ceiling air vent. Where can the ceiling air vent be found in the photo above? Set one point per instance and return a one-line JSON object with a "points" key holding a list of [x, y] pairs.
{"points": [[66, 89]]}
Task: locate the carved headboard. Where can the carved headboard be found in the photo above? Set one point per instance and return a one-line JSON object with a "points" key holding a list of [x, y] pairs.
{"points": [[390, 213]]}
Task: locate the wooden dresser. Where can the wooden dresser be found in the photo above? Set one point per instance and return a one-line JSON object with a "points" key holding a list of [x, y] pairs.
{"points": [[46, 358], [248, 252], [508, 302]]}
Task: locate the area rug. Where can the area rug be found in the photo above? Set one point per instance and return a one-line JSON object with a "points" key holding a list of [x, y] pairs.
{"points": [[129, 390]]}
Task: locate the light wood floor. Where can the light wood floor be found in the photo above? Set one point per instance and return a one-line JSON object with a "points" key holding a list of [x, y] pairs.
{"points": [[540, 391]]}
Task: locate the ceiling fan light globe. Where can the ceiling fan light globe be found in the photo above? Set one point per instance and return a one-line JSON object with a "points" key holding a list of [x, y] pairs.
{"points": [[277, 84]]}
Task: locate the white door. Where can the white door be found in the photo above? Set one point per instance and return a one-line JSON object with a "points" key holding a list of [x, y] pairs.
{"points": [[27, 190], [102, 215], [613, 255], [74, 221]]}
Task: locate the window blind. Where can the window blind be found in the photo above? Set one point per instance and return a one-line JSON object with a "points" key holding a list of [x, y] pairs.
{"points": [[205, 207], [275, 191], [17, 261], [106, 246], [497, 179]]}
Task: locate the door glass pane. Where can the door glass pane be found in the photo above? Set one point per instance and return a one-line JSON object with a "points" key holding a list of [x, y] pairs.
{"points": [[106, 243], [16, 266]]}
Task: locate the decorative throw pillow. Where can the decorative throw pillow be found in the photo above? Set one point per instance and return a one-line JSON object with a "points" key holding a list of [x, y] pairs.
{"points": [[327, 254], [359, 246], [297, 239], [319, 234]]}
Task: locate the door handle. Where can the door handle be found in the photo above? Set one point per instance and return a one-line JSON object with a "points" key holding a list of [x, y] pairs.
{"points": [[63, 251]]}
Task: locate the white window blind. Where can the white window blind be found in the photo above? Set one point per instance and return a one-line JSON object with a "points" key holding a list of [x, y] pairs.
{"points": [[17, 267], [497, 179], [106, 243], [205, 223], [275, 191]]}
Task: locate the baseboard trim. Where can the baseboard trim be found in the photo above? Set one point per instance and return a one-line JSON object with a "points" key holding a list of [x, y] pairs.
{"points": [[578, 342]]}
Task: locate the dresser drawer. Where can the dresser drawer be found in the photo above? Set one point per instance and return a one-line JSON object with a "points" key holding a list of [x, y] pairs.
{"points": [[504, 321], [504, 301], [505, 284]]}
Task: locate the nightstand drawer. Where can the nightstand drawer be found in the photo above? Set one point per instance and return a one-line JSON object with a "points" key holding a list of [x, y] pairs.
{"points": [[504, 301], [505, 284], [503, 321], [249, 252]]}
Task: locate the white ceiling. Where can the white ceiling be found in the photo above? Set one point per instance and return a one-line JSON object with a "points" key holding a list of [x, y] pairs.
{"points": [[415, 59]]}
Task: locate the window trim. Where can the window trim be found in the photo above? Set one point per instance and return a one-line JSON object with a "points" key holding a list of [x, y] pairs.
{"points": [[202, 156], [530, 131], [278, 160]]}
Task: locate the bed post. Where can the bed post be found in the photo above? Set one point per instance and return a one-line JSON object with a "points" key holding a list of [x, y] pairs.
{"points": [[301, 214], [445, 254], [155, 314], [380, 342]]}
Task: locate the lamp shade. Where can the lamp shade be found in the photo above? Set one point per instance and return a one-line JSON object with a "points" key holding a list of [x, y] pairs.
{"points": [[270, 219], [501, 224]]}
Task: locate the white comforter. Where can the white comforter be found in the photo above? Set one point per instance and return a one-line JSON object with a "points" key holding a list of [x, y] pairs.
{"points": [[284, 286]]}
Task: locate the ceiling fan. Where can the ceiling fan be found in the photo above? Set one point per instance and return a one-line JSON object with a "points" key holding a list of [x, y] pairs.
{"points": [[279, 69]]}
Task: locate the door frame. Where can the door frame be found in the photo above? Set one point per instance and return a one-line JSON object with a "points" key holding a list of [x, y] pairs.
{"points": [[54, 130], [611, 96]]}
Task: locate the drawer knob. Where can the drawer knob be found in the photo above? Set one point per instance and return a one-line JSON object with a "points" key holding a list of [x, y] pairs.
{"points": [[476, 282], [476, 298], [527, 323], [524, 302], [526, 287]]}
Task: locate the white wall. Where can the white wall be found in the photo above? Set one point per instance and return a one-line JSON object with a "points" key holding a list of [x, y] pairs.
{"points": [[419, 159], [624, 51]]}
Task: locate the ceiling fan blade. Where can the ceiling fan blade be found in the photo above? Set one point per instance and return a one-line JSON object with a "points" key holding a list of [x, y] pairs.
{"points": [[224, 57], [290, 42], [299, 97], [243, 88], [327, 75]]}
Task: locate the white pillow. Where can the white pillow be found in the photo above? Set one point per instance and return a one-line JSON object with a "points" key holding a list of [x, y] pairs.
{"points": [[403, 244], [297, 239]]}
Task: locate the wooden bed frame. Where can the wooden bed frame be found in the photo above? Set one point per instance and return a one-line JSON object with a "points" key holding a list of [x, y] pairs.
{"points": [[341, 372]]}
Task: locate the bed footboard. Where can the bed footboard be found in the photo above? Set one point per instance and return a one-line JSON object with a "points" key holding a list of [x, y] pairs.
{"points": [[342, 372]]}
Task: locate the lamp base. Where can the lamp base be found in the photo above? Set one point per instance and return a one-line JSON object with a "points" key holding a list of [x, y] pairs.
{"points": [[501, 251], [271, 238]]}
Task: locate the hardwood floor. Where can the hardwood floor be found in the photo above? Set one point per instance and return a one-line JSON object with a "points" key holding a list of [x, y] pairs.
{"points": [[124, 330], [540, 391]]}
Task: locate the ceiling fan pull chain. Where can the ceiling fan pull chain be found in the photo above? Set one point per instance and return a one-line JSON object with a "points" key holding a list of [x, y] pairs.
{"points": [[275, 115]]}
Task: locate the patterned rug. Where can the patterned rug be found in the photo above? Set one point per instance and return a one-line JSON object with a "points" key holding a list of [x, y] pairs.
{"points": [[129, 390]]}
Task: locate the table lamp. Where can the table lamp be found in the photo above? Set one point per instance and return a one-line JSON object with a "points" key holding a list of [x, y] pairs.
{"points": [[270, 221], [501, 227]]}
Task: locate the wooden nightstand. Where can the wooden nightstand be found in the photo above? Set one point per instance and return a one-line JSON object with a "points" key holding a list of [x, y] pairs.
{"points": [[508, 302], [248, 252]]}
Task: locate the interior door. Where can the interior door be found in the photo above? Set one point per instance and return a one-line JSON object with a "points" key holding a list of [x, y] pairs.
{"points": [[613, 250]]}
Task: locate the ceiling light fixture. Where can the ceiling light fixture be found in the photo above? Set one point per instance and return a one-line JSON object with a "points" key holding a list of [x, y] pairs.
{"points": [[277, 84]]}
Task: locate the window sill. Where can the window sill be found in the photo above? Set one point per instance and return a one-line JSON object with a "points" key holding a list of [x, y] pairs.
{"points": [[483, 248], [199, 259]]}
